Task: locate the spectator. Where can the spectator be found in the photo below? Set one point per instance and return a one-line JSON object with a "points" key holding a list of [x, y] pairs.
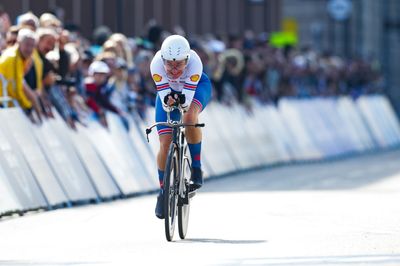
{"points": [[119, 82], [100, 36], [11, 36], [14, 63], [252, 84], [145, 83], [48, 20], [244, 69], [28, 20], [136, 101], [53, 83], [110, 59], [234, 69], [123, 49], [46, 43], [99, 92]]}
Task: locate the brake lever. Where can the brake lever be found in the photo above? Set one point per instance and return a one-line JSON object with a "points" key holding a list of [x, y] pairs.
{"points": [[148, 131]]}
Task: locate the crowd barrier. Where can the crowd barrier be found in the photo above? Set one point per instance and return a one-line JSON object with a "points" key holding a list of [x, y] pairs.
{"points": [[50, 166]]}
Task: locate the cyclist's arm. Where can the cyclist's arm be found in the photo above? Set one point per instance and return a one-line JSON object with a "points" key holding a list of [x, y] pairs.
{"points": [[159, 78], [195, 69]]}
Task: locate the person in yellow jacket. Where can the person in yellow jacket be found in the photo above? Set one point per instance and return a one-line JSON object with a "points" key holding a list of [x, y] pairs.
{"points": [[14, 63]]}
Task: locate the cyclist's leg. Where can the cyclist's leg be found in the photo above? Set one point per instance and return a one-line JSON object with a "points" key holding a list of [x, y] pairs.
{"points": [[165, 141], [165, 137], [164, 134], [193, 135]]}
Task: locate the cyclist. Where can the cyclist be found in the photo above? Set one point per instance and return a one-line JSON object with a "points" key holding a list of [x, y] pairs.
{"points": [[178, 74]]}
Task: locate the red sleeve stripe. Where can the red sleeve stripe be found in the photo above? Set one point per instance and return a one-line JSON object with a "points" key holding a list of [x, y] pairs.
{"points": [[165, 131], [198, 103], [190, 85], [166, 88], [162, 86]]}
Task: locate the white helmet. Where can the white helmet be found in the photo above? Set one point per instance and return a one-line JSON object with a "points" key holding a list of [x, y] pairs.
{"points": [[175, 47], [98, 67]]}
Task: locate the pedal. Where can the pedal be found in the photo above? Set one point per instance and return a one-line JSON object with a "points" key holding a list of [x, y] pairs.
{"points": [[192, 194], [184, 200], [192, 189]]}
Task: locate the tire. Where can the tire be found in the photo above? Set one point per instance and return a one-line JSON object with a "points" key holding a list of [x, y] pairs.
{"points": [[184, 209], [170, 192]]}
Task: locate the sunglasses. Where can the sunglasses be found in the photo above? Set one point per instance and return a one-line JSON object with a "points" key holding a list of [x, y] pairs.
{"points": [[178, 65]]}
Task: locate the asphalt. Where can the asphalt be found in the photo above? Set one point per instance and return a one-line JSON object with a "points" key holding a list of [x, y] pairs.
{"points": [[342, 212]]}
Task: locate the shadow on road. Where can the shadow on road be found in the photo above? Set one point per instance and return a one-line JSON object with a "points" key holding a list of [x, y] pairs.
{"points": [[348, 173], [221, 241]]}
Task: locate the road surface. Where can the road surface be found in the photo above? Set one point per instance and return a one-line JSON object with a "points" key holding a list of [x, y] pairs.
{"points": [[345, 212]]}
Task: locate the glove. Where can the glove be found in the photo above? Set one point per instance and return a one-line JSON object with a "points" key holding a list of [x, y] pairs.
{"points": [[182, 99], [178, 97]]}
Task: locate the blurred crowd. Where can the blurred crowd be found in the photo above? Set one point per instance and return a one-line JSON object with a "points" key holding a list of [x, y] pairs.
{"points": [[46, 65]]}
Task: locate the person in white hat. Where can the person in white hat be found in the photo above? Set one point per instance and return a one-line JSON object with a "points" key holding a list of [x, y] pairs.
{"points": [[98, 92]]}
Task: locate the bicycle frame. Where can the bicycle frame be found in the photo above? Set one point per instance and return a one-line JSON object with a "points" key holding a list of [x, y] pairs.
{"points": [[178, 187], [178, 140]]}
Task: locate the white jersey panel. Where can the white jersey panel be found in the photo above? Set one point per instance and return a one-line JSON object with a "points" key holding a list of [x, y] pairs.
{"points": [[186, 83]]}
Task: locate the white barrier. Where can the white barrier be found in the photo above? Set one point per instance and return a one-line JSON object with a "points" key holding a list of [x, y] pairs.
{"points": [[232, 121], [384, 117], [261, 132], [388, 113], [18, 176], [51, 164], [367, 111], [281, 135], [138, 139], [215, 147], [60, 153], [353, 114], [8, 198], [302, 138], [132, 158], [354, 135], [317, 121], [19, 128], [340, 143], [115, 162], [103, 181]]}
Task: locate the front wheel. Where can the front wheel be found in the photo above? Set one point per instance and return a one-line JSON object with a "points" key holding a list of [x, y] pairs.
{"points": [[170, 192], [184, 209]]}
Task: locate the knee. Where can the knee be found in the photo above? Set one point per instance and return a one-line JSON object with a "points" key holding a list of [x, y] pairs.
{"points": [[164, 144], [190, 117]]}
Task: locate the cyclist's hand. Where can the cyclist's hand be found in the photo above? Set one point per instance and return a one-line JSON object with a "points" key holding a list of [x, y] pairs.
{"points": [[171, 99]]}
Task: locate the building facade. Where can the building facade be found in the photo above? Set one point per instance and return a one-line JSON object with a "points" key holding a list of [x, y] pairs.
{"points": [[131, 16]]}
